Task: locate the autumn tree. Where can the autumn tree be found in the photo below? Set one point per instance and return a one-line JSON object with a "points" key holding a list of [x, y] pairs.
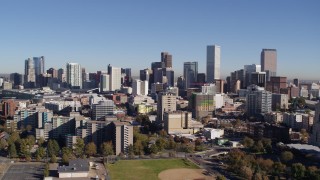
{"points": [[53, 147], [91, 149], [79, 148], [286, 156], [298, 171], [247, 142], [106, 148]]}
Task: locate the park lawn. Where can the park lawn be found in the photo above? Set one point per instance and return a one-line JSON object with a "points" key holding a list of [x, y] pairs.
{"points": [[145, 169]]}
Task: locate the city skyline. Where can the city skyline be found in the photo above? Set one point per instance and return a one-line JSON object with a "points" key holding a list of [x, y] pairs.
{"points": [[122, 34]]}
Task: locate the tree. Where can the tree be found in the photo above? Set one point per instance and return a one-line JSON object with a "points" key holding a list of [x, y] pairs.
{"points": [[31, 140], [304, 136], [298, 171], [53, 159], [106, 148], [41, 141], [53, 147], [91, 149], [153, 149], [247, 142], [67, 154], [286, 156], [3, 144], [161, 143], [246, 172], [257, 147], [278, 168], [13, 137], [24, 148], [265, 164], [138, 148], [79, 147], [130, 150], [28, 128], [221, 177], [12, 150], [171, 144], [46, 170], [40, 153]]}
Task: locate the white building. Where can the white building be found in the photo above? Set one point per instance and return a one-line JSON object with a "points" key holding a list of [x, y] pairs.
{"points": [[140, 87], [219, 100], [104, 82], [258, 101], [211, 133], [115, 78], [209, 89], [74, 75], [213, 63]]}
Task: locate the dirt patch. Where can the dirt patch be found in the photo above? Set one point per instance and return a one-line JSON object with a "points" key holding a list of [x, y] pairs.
{"points": [[184, 174]]}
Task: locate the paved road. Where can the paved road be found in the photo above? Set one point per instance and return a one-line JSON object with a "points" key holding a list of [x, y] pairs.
{"points": [[24, 172]]}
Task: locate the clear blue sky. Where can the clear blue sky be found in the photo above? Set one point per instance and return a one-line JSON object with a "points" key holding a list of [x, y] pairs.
{"points": [[130, 33]]}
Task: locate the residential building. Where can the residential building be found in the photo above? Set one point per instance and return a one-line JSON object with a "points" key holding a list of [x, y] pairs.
{"points": [[279, 101], [103, 108], [104, 82], [74, 75], [166, 102], [122, 137], [258, 101]]}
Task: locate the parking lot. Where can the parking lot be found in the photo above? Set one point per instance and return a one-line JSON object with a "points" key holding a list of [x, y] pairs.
{"points": [[24, 171]]}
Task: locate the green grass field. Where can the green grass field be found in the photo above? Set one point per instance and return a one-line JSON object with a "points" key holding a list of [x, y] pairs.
{"points": [[145, 169]]}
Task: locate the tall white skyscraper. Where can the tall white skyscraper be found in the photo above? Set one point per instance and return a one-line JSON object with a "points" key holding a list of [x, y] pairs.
{"points": [[74, 75], [213, 63], [115, 78]]}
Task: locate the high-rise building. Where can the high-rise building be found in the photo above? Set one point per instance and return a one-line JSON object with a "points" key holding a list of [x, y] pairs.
{"points": [[167, 59], [74, 75], [296, 82], [104, 82], [258, 100], [276, 83], [122, 137], [166, 102], [53, 72], [140, 87], [190, 73], [103, 108], [169, 73], [39, 63], [61, 75], [115, 78], [201, 105], [213, 63], [29, 72], [315, 137], [269, 62], [259, 79], [17, 79], [279, 101], [248, 70]]}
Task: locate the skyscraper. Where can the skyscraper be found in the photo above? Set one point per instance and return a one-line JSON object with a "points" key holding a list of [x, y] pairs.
{"points": [[74, 75], [190, 73], [213, 63], [29, 72], [115, 78], [167, 59], [269, 62], [39, 65], [104, 82]]}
